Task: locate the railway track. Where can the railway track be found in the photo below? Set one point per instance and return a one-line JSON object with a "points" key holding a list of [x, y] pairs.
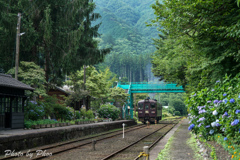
{"points": [[130, 145], [109, 145], [70, 144], [118, 148], [128, 151]]}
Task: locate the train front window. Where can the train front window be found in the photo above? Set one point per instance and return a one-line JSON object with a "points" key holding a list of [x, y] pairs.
{"points": [[140, 105], [146, 107], [152, 105]]}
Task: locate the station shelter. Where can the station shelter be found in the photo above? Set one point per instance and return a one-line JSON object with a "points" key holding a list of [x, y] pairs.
{"points": [[12, 100]]}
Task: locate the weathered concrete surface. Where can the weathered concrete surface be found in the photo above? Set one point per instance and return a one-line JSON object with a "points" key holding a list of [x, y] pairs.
{"points": [[20, 139], [161, 144]]}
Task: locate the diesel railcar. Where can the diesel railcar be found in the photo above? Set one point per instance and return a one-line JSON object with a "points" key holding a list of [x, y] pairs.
{"points": [[149, 110]]}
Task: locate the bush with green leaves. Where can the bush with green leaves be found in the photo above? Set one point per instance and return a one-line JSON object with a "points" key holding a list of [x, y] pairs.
{"points": [[61, 112], [216, 110], [108, 111], [89, 114], [177, 113], [34, 111]]}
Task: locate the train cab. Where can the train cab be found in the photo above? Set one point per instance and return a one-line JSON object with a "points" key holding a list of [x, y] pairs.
{"points": [[148, 110]]}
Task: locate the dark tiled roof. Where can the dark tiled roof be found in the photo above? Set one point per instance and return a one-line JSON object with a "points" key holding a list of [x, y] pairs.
{"points": [[8, 81]]}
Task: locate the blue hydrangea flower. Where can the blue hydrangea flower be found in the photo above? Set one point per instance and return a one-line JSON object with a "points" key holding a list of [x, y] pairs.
{"points": [[191, 127], [237, 111], [224, 94], [218, 81], [225, 114], [215, 101], [209, 101], [235, 122], [232, 100], [211, 131], [225, 138], [239, 130], [239, 96], [213, 90], [207, 126], [194, 95]]}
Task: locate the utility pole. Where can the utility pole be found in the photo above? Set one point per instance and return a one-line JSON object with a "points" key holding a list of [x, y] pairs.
{"points": [[84, 83], [17, 45]]}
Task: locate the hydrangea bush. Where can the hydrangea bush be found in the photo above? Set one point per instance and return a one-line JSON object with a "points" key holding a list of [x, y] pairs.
{"points": [[216, 110], [109, 111]]}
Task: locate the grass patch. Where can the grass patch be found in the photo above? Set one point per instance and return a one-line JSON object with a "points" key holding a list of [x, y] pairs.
{"points": [[164, 154], [192, 143]]}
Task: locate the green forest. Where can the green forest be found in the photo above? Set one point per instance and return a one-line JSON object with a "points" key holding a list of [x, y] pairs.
{"points": [[123, 29]]}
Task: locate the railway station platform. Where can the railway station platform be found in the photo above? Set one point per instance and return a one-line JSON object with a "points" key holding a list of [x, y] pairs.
{"points": [[180, 148], [20, 139]]}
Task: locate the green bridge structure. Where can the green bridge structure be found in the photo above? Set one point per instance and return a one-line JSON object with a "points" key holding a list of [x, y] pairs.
{"points": [[146, 87]]}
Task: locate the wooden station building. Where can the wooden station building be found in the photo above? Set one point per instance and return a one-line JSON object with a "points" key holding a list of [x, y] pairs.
{"points": [[12, 100]]}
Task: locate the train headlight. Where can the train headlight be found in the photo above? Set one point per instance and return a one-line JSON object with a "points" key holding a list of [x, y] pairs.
{"points": [[153, 111], [146, 112]]}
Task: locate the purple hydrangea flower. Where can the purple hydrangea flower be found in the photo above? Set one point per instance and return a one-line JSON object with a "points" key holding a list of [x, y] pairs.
{"points": [[202, 111], [201, 119], [220, 101], [218, 125], [223, 129], [191, 127], [239, 96], [232, 100], [225, 138], [215, 101], [237, 111], [209, 101], [207, 126], [200, 124], [239, 130], [194, 94], [213, 90], [235, 122], [224, 94], [218, 81]]}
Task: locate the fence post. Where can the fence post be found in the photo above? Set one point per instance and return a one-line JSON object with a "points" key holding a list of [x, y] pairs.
{"points": [[146, 151], [93, 144]]}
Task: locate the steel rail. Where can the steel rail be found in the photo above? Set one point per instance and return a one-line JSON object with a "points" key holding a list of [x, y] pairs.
{"points": [[158, 139], [113, 154]]}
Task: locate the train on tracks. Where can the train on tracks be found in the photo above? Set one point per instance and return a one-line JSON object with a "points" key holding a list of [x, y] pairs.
{"points": [[149, 110]]}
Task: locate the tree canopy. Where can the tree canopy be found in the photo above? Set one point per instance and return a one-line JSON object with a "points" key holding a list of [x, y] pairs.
{"points": [[198, 41], [59, 35]]}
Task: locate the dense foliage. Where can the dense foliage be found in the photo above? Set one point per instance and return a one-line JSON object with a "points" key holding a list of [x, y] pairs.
{"points": [[217, 109], [123, 28], [99, 86], [198, 41], [174, 101], [31, 74], [59, 35], [108, 111]]}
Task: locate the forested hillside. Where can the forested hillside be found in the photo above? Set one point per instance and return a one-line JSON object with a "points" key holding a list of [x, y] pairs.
{"points": [[123, 27]]}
